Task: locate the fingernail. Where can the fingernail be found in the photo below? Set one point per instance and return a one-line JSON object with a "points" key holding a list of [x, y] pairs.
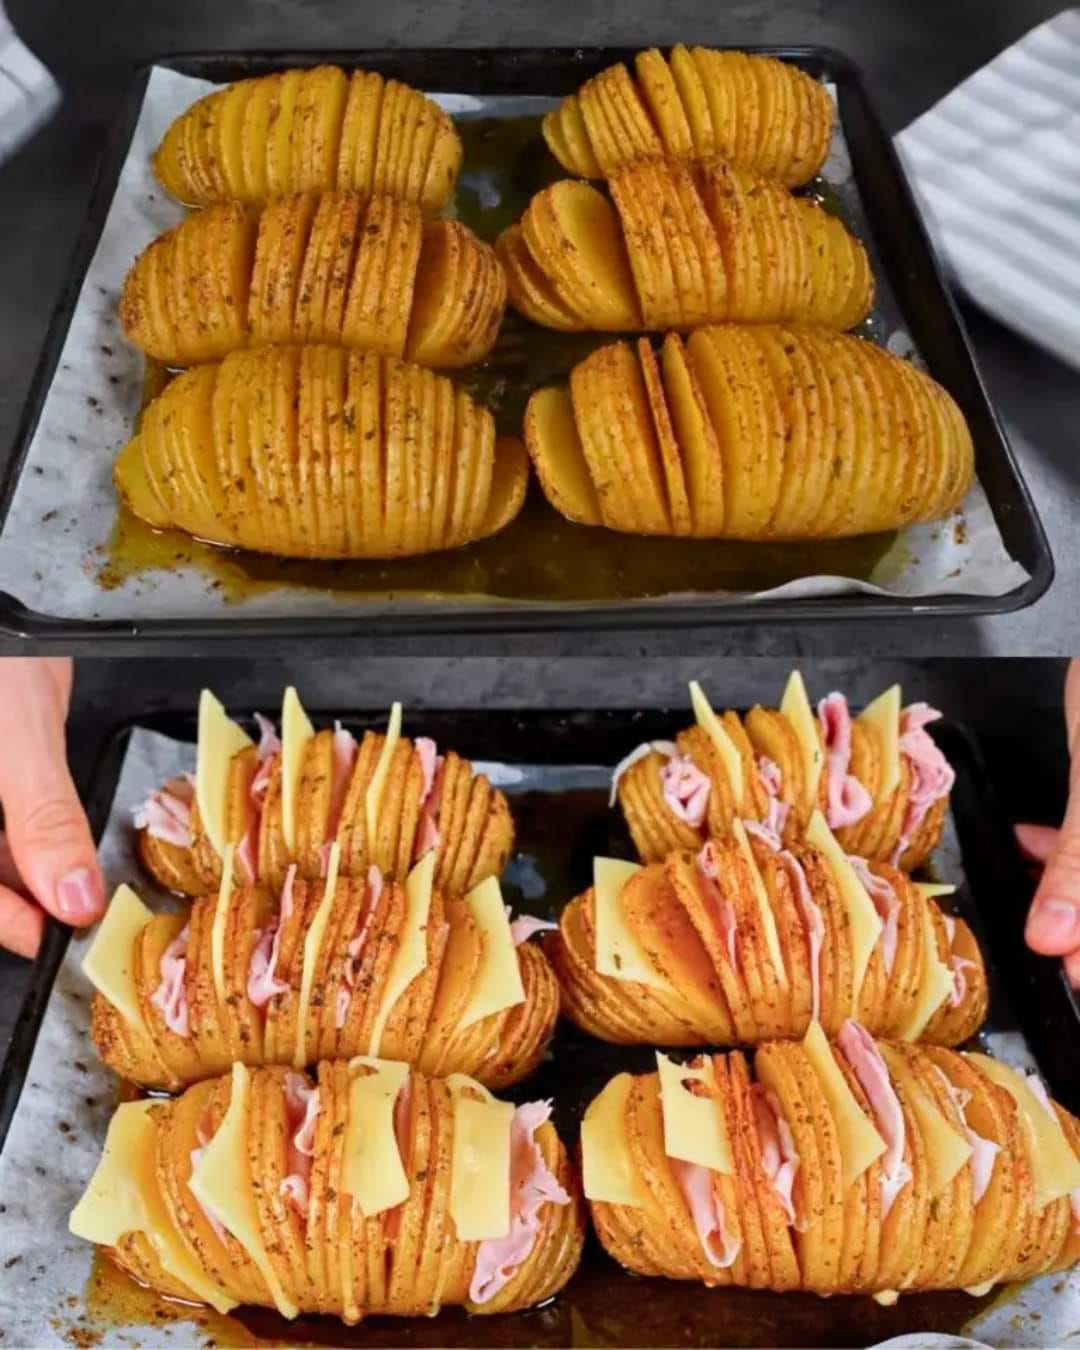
{"points": [[79, 895], [1057, 921]]}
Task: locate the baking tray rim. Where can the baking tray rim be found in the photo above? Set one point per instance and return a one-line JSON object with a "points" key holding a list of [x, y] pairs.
{"points": [[408, 617]]}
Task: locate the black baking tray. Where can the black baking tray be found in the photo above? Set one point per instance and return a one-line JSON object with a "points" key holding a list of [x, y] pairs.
{"points": [[604, 1306], [904, 251]]}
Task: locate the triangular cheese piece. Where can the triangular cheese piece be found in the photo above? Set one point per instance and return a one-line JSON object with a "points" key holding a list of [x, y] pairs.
{"points": [[411, 955], [930, 890], [312, 944], [372, 1170], [608, 1171], [694, 1127], [109, 963], [219, 740], [480, 1161], [123, 1196], [946, 1150], [220, 924], [618, 951], [761, 895], [795, 705], [497, 984], [221, 1182], [722, 742], [935, 986], [378, 778], [860, 1142], [882, 720], [296, 731], [864, 922]]}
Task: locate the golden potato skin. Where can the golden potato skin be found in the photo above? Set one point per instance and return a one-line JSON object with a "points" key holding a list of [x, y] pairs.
{"points": [[683, 246], [310, 130], [780, 433], [335, 1259], [754, 112], [841, 1239], [367, 273], [315, 452]]}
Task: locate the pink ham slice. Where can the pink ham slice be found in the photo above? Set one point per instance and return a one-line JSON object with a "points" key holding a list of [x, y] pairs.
{"points": [[262, 982], [342, 759], [686, 790], [983, 1151], [779, 1159], [356, 946], [810, 911], [301, 1112], [525, 925], [887, 904], [706, 1211], [432, 766], [166, 813], [170, 997], [932, 774], [665, 748], [266, 754], [959, 964], [858, 1048], [847, 801], [771, 779], [532, 1186], [722, 910]]}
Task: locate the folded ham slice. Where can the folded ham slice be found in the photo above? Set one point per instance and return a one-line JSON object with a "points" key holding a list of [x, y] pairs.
{"points": [[665, 748], [301, 1111], [355, 947], [887, 904], [847, 801], [779, 1159], [686, 790], [723, 911], [771, 779], [432, 767], [932, 776], [262, 982], [525, 925], [166, 812], [532, 1185], [809, 910], [170, 997], [983, 1151], [958, 963], [707, 1212], [266, 753], [858, 1048]]}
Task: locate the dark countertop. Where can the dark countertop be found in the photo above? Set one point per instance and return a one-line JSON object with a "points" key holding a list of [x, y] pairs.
{"points": [[911, 51], [1013, 707]]}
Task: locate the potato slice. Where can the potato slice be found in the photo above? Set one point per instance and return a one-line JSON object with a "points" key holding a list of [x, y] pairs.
{"points": [[319, 113], [509, 481], [466, 457], [634, 191], [670, 460], [393, 119], [601, 125], [695, 103], [556, 451], [696, 440], [838, 514], [664, 103], [359, 132], [437, 290], [443, 166], [282, 161], [314, 504], [568, 139]]}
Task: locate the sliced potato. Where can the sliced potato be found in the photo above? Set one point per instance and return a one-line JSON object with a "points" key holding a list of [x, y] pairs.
{"points": [[555, 449]]}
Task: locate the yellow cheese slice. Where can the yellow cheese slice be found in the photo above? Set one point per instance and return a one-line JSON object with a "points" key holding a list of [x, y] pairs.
{"points": [[930, 890], [694, 1128], [796, 708], [312, 943], [935, 986], [946, 1150], [382, 768], [607, 1169], [296, 731], [219, 740], [761, 895], [109, 964], [1055, 1167], [480, 1162], [860, 1142], [882, 719], [864, 922], [372, 1170], [724, 745], [497, 984], [222, 1184], [123, 1196], [618, 951], [218, 927], [411, 955]]}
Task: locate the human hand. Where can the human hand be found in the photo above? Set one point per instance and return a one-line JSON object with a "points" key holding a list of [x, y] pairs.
{"points": [[1053, 922], [47, 856]]}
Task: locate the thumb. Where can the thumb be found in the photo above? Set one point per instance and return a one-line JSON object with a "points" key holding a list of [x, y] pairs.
{"points": [[46, 828], [1053, 924]]}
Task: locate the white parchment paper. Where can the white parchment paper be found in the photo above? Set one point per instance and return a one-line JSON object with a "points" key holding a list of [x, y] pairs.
{"points": [[59, 1126], [64, 508]]}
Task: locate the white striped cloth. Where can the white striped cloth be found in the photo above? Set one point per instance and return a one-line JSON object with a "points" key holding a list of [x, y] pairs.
{"points": [[28, 93], [996, 166]]}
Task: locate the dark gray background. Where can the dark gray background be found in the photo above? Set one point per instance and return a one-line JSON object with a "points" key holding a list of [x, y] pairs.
{"points": [[911, 51], [1012, 706]]}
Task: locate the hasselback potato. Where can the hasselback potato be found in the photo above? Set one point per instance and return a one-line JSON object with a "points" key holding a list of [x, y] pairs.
{"points": [[311, 130], [328, 970], [857, 1167], [314, 452], [427, 800], [357, 1194], [749, 432], [681, 248], [878, 779], [750, 939], [337, 267], [697, 104]]}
